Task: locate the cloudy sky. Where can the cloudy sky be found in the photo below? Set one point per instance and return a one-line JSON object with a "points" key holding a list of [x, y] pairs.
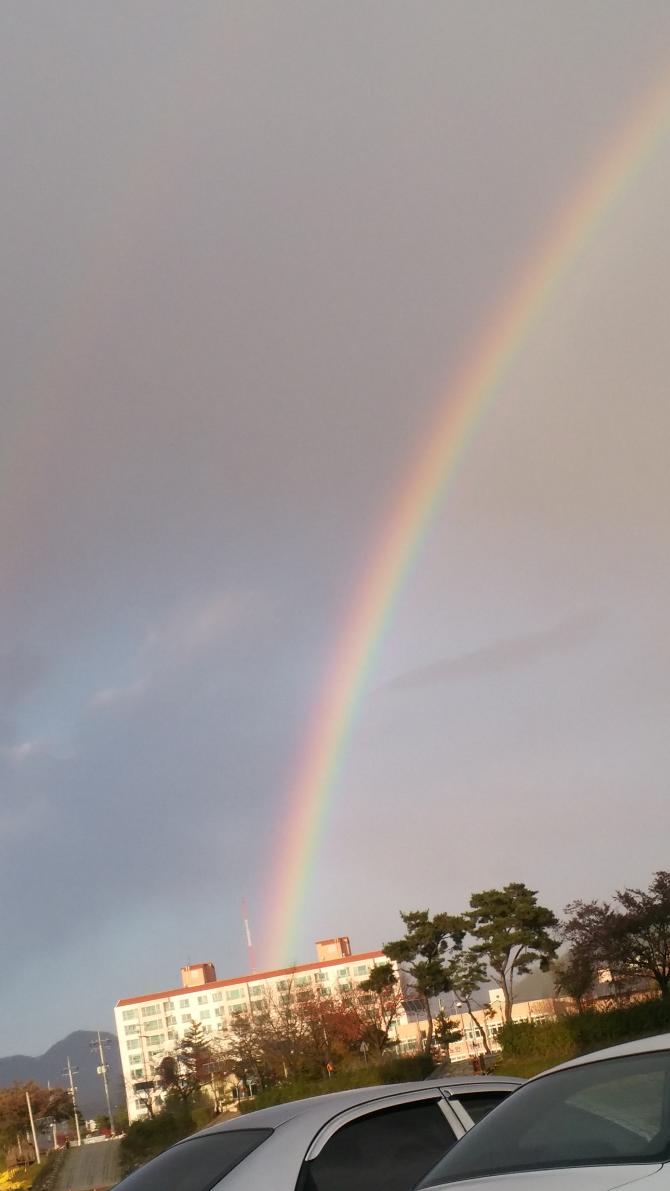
{"points": [[245, 248]]}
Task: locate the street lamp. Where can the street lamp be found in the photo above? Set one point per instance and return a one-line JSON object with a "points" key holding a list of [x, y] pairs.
{"points": [[459, 1005]]}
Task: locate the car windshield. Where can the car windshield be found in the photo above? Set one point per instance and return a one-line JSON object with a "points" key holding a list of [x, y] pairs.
{"points": [[196, 1165], [606, 1112]]}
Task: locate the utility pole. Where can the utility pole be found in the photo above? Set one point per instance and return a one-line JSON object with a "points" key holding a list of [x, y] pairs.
{"points": [[103, 1068], [70, 1071], [32, 1129], [247, 931]]}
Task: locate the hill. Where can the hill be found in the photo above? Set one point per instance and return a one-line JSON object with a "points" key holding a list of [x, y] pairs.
{"points": [[49, 1067]]}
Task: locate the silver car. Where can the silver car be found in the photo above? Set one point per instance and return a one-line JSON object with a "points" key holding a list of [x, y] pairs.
{"points": [[377, 1139], [598, 1122]]}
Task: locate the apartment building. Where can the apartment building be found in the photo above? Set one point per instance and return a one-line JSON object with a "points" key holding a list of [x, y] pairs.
{"points": [[150, 1026]]}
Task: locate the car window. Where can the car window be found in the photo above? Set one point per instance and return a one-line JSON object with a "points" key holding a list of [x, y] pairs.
{"points": [[479, 1104], [388, 1150], [615, 1110], [198, 1164], [636, 1102]]}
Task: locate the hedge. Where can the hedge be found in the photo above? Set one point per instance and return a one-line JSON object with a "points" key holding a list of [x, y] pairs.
{"points": [[582, 1032], [392, 1070]]}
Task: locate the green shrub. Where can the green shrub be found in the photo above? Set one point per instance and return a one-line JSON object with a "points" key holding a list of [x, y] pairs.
{"points": [[145, 1139], [593, 1029], [391, 1070], [527, 1067], [202, 1114], [542, 1039], [397, 1070], [580, 1033]]}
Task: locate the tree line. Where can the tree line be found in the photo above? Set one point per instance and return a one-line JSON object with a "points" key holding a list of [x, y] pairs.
{"points": [[505, 932]]}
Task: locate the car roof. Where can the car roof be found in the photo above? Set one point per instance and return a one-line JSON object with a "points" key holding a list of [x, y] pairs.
{"points": [[639, 1046], [576, 1178], [331, 1103]]}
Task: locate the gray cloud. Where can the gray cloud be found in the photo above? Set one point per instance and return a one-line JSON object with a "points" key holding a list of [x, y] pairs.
{"points": [[245, 247], [506, 654], [21, 671]]}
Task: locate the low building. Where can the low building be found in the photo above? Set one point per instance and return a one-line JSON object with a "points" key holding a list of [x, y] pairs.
{"points": [[487, 1022]]}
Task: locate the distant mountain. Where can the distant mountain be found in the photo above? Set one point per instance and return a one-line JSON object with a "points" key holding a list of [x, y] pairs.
{"points": [[49, 1067]]}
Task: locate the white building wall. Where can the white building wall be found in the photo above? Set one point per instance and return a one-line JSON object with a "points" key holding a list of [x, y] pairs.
{"points": [[149, 1029]]}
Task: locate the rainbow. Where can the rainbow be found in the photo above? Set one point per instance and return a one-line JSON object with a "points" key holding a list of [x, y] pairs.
{"points": [[418, 500]]}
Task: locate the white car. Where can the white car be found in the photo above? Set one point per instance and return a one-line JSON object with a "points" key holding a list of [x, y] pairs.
{"points": [[377, 1139], [599, 1122]]}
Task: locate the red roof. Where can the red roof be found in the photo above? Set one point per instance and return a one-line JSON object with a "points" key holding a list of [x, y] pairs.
{"points": [[255, 978]]}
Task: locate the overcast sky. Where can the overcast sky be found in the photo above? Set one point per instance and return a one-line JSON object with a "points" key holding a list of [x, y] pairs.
{"points": [[245, 246]]}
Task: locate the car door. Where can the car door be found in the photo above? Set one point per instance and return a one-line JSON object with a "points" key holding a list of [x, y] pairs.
{"points": [[385, 1145]]}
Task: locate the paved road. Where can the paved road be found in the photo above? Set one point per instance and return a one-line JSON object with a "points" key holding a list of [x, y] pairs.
{"points": [[90, 1167]]}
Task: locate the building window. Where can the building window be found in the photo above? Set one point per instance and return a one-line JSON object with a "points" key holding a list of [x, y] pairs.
{"points": [[172, 1034], [257, 990], [185, 1017], [301, 980], [157, 1040], [184, 1004], [233, 994], [168, 1004], [282, 984], [361, 970], [219, 1011], [129, 1014], [170, 1020], [133, 1044], [342, 972], [149, 1010], [321, 976], [238, 1008], [204, 1013], [202, 1000], [132, 1029], [217, 996], [137, 1073]]}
